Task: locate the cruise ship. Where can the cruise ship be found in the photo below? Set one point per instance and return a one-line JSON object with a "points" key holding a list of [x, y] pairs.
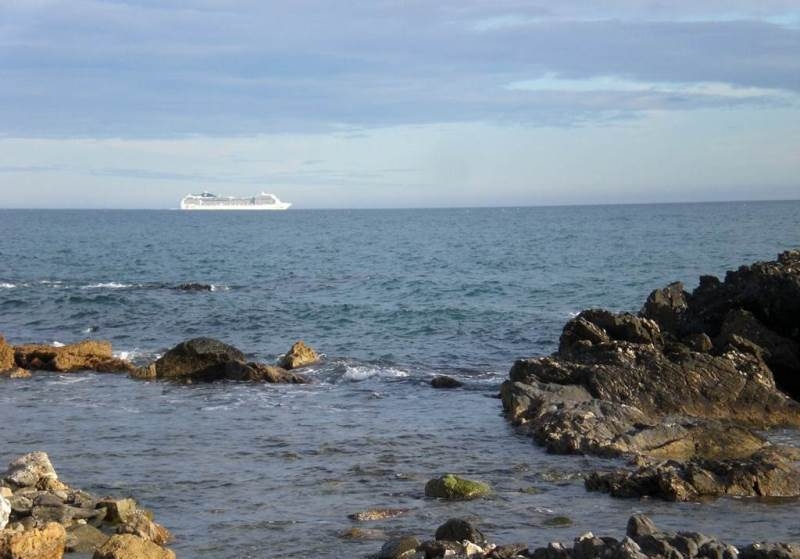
{"points": [[208, 201]]}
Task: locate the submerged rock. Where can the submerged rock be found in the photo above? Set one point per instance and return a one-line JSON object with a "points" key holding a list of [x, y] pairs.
{"points": [[444, 381], [195, 287], [399, 548], [377, 514], [88, 355], [299, 355], [208, 360], [453, 487]]}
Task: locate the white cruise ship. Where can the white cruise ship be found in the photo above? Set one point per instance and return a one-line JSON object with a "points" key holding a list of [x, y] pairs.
{"points": [[208, 201]]}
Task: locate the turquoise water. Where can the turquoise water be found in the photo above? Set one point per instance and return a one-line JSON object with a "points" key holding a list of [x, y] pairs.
{"points": [[391, 297]]}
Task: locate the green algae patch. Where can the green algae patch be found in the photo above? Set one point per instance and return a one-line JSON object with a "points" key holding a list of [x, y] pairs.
{"points": [[558, 522], [456, 488]]}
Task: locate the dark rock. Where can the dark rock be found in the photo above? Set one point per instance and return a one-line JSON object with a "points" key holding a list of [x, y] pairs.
{"points": [[640, 525], [194, 287], [769, 472], [443, 381], [355, 533], [770, 551], [399, 548], [666, 307], [457, 530], [717, 550], [508, 551], [208, 360], [554, 550]]}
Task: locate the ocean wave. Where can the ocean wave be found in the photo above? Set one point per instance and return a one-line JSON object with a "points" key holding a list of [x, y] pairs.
{"points": [[357, 373], [109, 285], [4, 285]]}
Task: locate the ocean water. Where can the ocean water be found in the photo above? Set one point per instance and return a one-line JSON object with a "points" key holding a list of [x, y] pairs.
{"points": [[392, 298]]}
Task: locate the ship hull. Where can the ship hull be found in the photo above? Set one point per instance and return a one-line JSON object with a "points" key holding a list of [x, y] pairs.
{"points": [[252, 208]]}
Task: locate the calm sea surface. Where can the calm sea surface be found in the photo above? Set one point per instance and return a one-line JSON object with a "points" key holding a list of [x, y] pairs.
{"points": [[392, 298]]}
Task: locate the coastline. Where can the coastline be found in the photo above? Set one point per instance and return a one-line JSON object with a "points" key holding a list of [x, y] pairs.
{"points": [[618, 330]]}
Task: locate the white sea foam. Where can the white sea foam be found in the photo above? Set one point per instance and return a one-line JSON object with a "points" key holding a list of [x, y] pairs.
{"points": [[362, 372], [57, 344], [108, 285], [220, 287], [4, 285]]}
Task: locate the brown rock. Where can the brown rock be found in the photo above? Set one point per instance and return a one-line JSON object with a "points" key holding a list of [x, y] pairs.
{"points": [[300, 355], [6, 355], [16, 372], [140, 525], [128, 546], [88, 355], [47, 542], [118, 511]]}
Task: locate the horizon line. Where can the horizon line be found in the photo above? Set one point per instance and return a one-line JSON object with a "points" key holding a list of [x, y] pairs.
{"points": [[407, 208]]}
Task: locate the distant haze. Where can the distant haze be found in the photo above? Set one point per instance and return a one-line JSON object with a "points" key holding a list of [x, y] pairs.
{"points": [[133, 104]]}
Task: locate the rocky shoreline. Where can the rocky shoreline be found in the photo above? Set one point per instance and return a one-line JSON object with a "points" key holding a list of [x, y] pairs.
{"points": [[460, 539], [41, 517], [682, 390]]}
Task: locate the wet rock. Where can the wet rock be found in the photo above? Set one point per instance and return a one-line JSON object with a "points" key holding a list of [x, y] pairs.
{"points": [[441, 548], [128, 546], [770, 551], [30, 469], [208, 360], [83, 538], [300, 355], [88, 355], [444, 381], [194, 287], [508, 551], [557, 522], [16, 372], [5, 512], [770, 472], [717, 550], [362, 534], [640, 525], [47, 542], [588, 546], [554, 550], [453, 487], [376, 514], [399, 548], [6, 355], [457, 530]]}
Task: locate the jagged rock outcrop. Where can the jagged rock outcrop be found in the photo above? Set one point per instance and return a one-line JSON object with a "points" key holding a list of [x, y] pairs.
{"points": [[687, 379], [208, 360], [299, 355], [88, 355]]}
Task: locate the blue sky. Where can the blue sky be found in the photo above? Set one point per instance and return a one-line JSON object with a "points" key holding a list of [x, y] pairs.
{"points": [[398, 104]]}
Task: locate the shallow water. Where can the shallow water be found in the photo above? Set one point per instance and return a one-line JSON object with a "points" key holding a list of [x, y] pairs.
{"points": [[392, 298]]}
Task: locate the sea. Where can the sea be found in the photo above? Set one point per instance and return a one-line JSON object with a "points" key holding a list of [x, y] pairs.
{"points": [[391, 298]]}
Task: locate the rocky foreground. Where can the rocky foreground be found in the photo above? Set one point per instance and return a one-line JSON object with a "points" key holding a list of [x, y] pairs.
{"points": [[679, 388], [460, 539], [41, 517]]}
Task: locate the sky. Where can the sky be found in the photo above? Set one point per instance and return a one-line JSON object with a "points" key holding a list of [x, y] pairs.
{"points": [[370, 104]]}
